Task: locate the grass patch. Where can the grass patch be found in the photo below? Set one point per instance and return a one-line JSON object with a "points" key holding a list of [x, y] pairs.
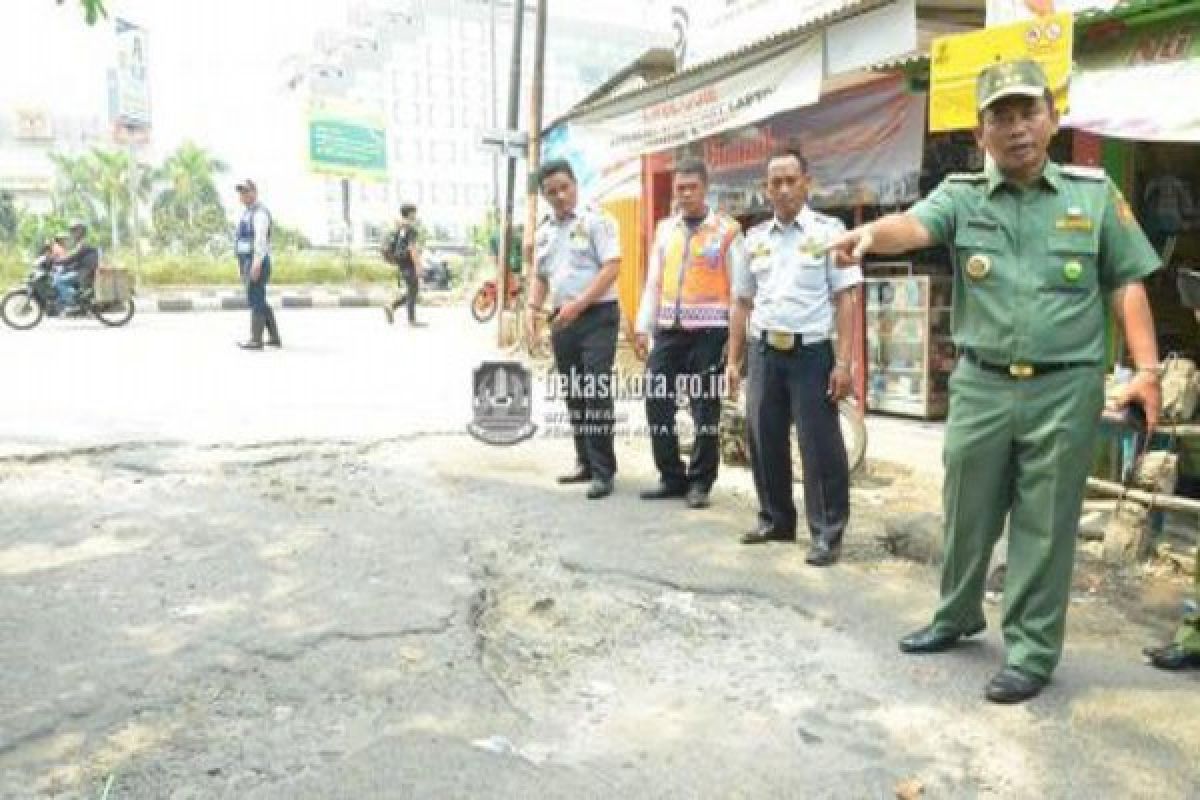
{"points": [[307, 267]]}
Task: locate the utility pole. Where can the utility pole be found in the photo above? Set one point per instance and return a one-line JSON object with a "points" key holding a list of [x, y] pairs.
{"points": [[495, 114], [514, 112], [533, 156]]}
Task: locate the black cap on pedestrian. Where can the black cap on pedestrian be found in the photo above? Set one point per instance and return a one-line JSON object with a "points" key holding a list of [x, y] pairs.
{"points": [[247, 186]]}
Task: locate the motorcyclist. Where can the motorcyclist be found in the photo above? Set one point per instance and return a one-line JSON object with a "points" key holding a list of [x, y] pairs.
{"points": [[77, 270]]}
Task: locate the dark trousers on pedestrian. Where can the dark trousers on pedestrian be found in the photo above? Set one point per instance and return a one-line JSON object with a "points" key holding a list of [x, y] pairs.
{"points": [[791, 387], [407, 280], [689, 362], [261, 314], [583, 356]]}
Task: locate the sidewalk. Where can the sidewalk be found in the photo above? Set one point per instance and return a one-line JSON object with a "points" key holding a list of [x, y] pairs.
{"points": [[913, 443], [233, 298]]}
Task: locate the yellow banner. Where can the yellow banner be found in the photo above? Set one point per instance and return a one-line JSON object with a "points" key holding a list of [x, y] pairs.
{"points": [[956, 61]]}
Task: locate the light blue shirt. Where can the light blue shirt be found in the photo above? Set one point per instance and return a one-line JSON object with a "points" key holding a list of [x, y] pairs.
{"points": [[790, 280], [569, 252]]}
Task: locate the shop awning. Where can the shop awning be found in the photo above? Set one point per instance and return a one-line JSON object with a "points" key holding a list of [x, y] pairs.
{"points": [[1138, 81]]}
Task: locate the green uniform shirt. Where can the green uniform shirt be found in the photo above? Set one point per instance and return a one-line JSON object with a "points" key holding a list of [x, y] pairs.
{"points": [[1033, 266]]}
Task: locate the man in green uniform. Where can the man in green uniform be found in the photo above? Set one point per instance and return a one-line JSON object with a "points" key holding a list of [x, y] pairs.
{"points": [[1184, 651], [1037, 248]]}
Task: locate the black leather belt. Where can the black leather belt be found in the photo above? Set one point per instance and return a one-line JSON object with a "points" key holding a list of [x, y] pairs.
{"points": [[1023, 370]]}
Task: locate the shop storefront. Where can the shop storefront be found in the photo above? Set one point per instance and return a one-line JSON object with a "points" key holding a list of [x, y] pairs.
{"points": [[1133, 113]]}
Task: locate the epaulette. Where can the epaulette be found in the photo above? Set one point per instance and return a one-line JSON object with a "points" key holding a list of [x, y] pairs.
{"points": [[1084, 173], [967, 177], [762, 227]]}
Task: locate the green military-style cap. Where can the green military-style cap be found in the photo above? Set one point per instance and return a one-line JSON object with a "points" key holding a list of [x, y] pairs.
{"points": [[1023, 77]]}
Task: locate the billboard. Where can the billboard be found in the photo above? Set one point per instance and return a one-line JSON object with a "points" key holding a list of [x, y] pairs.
{"points": [[130, 92], [347, 143]]}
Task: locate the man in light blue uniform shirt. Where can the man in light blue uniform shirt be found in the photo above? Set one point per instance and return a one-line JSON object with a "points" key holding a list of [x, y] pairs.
{"points": [[790, 300], [577, 253]]}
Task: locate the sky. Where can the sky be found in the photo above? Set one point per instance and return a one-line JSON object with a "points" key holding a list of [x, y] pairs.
{"points": [[217, 67]]}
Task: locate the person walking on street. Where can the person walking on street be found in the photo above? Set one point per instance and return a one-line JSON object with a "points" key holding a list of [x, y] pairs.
{"points": [[403, 250], [685, 306], [1037, 248], [790, 299], [577, 255], [253, 246]]}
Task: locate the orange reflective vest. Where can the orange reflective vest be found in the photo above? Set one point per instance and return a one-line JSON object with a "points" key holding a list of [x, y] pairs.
{"points": [[694, 283]]}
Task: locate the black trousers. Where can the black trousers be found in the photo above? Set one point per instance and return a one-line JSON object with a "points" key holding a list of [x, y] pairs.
{"points": [[691, 362], [407, 279], [583, 356], [783, 388]]}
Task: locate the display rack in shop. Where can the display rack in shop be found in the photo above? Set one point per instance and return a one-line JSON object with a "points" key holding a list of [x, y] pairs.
{"points": [[909, 350]]}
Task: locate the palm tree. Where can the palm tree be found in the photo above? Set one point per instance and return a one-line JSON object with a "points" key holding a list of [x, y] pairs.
{"points": [[189, 209], [75, 188]]}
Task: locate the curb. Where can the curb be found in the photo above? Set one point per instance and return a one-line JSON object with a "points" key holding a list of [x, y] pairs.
{"points": [[207, 300]]}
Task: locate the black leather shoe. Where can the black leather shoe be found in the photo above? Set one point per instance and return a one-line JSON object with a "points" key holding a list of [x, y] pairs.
{"points": [[930, 640], [1172, 657], [766, 532], [663, 491], [822, 554], [1013, 685], [599, 488], [697, 497], [581, 474]]}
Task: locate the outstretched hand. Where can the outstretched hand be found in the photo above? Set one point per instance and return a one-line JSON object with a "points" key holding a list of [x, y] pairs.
{"points": [[849, 248]]}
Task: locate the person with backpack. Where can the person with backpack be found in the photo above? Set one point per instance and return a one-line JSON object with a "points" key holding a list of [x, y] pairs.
{"points": [[402, 249]]}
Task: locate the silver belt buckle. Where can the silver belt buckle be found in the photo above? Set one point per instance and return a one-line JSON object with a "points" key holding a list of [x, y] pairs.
{"points": [[781, 340]]}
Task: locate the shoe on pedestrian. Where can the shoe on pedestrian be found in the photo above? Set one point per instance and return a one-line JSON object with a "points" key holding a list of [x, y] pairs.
{"points": [[580, 474], [1172, 657], [767, 532], [1013, 685], [663, 491], [697, 497], [250, 344], [390, 313], [276, 343], [412, 323], [599, 488], [932, 639], [823, 554]]}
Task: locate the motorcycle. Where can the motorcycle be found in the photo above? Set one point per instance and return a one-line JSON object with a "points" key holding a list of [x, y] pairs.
{"points": [[483, 305], [24, 306]]}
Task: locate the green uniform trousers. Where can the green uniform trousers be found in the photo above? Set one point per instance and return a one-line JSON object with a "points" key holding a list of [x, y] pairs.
{"points": [[1022, 449], [1188, 635]]}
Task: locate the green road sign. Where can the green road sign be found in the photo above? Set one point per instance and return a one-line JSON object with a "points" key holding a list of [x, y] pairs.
{"points": [[349, 149]]}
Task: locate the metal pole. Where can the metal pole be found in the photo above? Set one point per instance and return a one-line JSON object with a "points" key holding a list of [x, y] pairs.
{"points": [[495, 116], [534, 159], [349, 226], [514, 112], [135, 224]]}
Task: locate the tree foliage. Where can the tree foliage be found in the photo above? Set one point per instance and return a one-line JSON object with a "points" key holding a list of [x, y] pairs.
{"points": [[93, 10]]}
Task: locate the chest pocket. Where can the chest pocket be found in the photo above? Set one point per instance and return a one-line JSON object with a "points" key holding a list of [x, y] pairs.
{"points": [[1071, 263], [979, 247]]}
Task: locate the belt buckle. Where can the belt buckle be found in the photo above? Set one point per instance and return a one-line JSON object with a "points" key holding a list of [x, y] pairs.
{"points": [[779, 340], [1020, 371]]}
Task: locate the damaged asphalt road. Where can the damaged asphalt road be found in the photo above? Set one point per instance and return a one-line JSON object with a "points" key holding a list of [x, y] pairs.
{"points": [[408, 619], [333, 592]]}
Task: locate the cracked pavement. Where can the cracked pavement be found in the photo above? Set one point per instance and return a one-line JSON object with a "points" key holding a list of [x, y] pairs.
{"points": [[293, 598]]}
